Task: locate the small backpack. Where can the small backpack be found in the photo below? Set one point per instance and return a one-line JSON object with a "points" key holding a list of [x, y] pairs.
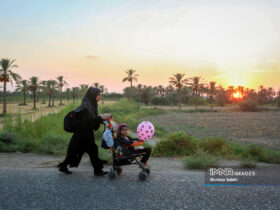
{"points": [[70, 122], [107, 140], [109, 134]]}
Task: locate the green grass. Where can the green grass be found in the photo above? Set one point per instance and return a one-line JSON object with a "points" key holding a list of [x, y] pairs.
{"points": [[180, 144], [215, 146], [129, 112], [175, 144], [200, 160], [47, 136]]}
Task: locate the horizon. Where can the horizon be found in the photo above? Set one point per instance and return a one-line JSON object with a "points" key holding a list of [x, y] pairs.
{"points": [[233, 43]]}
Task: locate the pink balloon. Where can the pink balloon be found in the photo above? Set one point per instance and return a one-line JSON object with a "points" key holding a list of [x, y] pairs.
{"points": [[145, 130]]}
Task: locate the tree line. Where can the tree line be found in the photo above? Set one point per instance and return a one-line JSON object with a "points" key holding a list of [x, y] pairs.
{"points": [[38, 89], [181, 90]]}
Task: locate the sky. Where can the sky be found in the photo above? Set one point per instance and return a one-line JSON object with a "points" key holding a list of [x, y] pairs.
{"points": [[232, 42]]}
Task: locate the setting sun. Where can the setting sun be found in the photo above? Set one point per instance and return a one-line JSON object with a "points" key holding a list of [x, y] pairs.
{"points": [[237, 95]]}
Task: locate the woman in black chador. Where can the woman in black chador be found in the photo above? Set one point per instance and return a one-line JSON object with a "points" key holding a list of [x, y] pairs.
{"points": [[83, 140]]}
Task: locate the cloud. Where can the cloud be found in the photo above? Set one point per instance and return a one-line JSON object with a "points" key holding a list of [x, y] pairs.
{"points": [[91, 57]]}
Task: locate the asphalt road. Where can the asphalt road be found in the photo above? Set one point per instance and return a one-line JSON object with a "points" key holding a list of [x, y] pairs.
{"points": [[46, 188]]}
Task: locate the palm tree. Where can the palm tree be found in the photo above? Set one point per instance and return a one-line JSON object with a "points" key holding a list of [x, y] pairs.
{"points": [[131, 76], [74, 93], [271, 93], [197, 83], [34, 86], [169, 89], [155, 90], [84, 88], [212, 91], [230, 92], [161, 90], [263, 95], [221, 96], [6, 72], [96, 84], [44, 90], [147, 94], [49, 91], [53, 90], [186, 93], [139, 88], [178, 81], [61, 83], [22, 86], [68, 94], [103, 90]]}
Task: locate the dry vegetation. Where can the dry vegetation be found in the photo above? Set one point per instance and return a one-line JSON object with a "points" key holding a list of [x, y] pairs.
{"points": [[243, 127]]}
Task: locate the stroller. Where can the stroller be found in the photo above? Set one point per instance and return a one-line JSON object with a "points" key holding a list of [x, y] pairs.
{"points": [[121, 154]]}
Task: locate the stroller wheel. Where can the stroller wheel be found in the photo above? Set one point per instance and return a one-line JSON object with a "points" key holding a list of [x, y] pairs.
{"points": [[119, 170], [143, 175], [112, 174], [148, 171]]}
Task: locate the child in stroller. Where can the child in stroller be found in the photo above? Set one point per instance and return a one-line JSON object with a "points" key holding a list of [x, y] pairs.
{"points": [[127, 151]]}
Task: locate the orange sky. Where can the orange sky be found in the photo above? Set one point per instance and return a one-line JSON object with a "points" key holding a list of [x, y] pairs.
{"points": [[236, 43]]}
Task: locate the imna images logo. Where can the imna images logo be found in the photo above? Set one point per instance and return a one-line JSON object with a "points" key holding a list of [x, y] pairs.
{"points": [[229, 172]]}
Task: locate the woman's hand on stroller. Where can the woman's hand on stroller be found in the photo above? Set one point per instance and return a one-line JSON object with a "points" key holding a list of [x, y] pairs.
{"points": [[106, 116]]}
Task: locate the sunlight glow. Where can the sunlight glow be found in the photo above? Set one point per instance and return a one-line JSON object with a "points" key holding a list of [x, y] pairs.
{"points": [[237, 95]]}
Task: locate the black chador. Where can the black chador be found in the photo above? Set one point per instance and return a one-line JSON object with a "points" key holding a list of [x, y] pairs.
{"points": [[83, 140]]}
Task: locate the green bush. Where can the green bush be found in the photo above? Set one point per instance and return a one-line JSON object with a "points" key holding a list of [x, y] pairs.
{"points": [[200, 160], [200, 101], [237, 149], [46, 134], [10, 142], [27, 145], [271, 156], [255, 152], [161, 100], [8, 138], [8, 147], [175, 144], [215, 145], [248, 105], [172, 98], [53, 144]]}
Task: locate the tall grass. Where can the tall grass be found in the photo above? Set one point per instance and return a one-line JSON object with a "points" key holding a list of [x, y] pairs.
{"points": [[180, 144], [129, 112], [46, 134], [175, 144], [200, 160], [31, 136]]}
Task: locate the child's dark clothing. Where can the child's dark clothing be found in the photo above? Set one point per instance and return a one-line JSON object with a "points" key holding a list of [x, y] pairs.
{"points": [[147, 150]]}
